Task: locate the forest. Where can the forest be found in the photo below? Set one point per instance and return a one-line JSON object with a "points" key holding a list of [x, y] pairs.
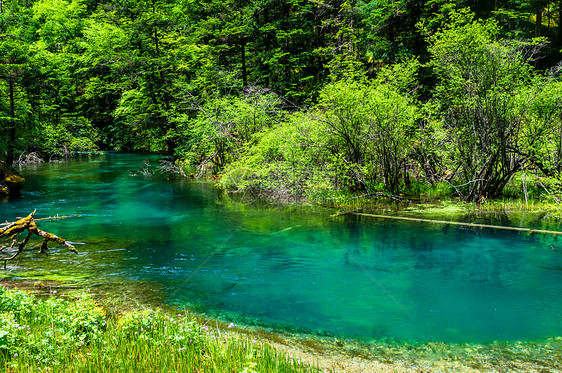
{"points": [[295, 98]]}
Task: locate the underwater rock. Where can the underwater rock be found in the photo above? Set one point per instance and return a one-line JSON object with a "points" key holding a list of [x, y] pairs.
{"points": [[14, 183], [10, 182]]}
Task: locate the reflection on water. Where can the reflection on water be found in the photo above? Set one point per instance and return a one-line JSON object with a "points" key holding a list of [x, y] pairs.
{"points": [[301, 270]]}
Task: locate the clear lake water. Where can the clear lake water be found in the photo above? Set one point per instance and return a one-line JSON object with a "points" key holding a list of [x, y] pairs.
{"points": [[295, 269]]}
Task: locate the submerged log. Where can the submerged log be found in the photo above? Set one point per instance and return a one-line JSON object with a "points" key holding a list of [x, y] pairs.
{"points": [[13, 230], [447, 222]]}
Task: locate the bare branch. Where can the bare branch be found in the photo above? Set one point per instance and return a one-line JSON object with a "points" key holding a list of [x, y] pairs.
{"points": [[14, 229]]}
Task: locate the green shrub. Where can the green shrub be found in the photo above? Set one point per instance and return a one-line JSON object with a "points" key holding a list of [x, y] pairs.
{"points": [[17, 302], [82, 144], [43, 331], [140, 325], [11, 334]]}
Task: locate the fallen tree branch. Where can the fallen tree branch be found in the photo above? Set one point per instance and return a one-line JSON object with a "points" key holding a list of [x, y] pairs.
{"points": [[475, 225], [11, 230], [57, 216]]}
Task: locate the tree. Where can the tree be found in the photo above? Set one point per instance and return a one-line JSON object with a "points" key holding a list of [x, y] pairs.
{"points": [[149, 101], [371, 130], [485, 92], [13, 64], [225, 126]]}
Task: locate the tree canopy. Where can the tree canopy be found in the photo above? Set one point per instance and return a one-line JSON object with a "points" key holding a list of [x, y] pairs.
{"points": [[293, 96]]}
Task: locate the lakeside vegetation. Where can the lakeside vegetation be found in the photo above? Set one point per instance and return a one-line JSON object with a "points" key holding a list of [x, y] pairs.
{"points": [[65, 331], [72, 333]]}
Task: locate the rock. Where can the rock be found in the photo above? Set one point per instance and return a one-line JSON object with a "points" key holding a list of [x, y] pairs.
{"points": [[14, 183], [10, 182]]}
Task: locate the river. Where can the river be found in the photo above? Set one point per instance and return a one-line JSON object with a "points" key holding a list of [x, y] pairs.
{"points": [[290, 268]]}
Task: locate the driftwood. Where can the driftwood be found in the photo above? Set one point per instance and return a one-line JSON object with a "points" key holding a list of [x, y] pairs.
{"points": [[447, 222], [14, 229]]}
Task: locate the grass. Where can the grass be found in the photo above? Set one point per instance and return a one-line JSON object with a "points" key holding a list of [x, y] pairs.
{"points": [[72, 333], [540, 195]]}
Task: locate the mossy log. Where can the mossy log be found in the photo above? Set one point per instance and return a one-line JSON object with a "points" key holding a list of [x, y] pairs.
{"points": [[14, 229], [447, 222]]}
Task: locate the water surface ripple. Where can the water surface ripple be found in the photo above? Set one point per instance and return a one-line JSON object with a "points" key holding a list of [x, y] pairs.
{"points": [[295, 269]]}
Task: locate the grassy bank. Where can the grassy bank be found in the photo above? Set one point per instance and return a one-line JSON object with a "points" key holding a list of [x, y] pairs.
{"points": [[72, 333]]}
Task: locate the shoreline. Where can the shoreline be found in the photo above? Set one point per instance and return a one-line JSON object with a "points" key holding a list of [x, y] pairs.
{"points": [[338, 354], [352, 355]]}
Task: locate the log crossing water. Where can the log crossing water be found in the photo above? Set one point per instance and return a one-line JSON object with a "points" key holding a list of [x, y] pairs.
{"points": [[294, 269], [448, 222]]}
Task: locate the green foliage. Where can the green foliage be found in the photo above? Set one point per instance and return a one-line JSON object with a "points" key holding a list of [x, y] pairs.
{"points": [[17, 303], [486, 93], [44, 331], [357, 138], [82, 144], [54, 137], [151, 326], [225, 125], [552, 187], [371, 128], [68, 135], [60, 22], [10, 334], [542, 131], [283, 163]]}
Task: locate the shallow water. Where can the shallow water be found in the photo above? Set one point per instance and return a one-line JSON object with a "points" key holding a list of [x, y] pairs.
{"points": [[294, 269]]}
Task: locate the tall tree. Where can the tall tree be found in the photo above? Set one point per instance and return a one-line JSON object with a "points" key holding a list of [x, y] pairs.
{"points": [[486, 90], [14, 61]]}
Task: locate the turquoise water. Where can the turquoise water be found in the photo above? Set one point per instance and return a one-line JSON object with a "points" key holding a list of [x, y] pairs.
{"points": [[293, 269]]}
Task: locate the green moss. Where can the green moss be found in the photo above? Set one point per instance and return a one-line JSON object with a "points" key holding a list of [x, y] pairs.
{"points": [[451, 209], [10, 182], [39, 275]]}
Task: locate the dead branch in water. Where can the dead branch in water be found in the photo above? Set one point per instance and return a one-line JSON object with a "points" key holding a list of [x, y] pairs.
{"points": [[12, 230], [447, 222]]}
